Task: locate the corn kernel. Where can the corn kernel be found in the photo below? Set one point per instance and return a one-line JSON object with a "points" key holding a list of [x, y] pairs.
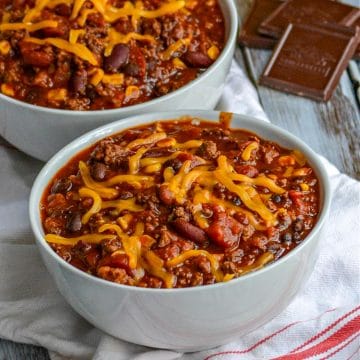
{"points": [[116, 79], [97, 77], [213, 52], [304, 187], [132, 92], [179, 64], [4, 47], [7, 90], [57, 94]]}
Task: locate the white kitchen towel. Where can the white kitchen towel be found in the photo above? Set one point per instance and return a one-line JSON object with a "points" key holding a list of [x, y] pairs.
{"points": [[323, 321]]}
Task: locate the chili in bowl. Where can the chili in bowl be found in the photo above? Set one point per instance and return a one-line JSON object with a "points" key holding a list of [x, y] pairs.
{"points": [[82, 63], [168, 222]]}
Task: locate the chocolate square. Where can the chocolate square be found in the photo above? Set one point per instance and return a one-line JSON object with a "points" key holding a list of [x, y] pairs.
{"points": [[315, 12], [249, 35], [308, 61]]}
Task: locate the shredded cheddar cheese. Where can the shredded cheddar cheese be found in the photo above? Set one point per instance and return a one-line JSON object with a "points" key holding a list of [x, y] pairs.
{"points": [[7, 89], [5, 47], [28, 26], [134, 161], [173, 48], [114, 79], [193, 253], [129, 9], [96, 206], [246, 154], [115, 38], [74, 35], [89, 238], [146, 141], [120, 205], [131, 244], [178, 63], [57, 94], [253, 203], [155, 266]]}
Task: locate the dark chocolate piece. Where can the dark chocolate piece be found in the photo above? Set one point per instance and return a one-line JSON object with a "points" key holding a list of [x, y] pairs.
{"points": [[249, 35], [311, 12], [308, 61]]}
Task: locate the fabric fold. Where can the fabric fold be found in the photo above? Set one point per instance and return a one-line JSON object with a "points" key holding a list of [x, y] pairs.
{"points": [[324, 318]]}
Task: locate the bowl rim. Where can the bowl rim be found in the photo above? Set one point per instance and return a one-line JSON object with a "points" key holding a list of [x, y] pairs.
{"points": [[91, 137], [232, 33]]}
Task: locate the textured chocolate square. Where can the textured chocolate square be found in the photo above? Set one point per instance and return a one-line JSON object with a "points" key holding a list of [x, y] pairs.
{"points": [[249, 35], [315, 12], [308, 61]]}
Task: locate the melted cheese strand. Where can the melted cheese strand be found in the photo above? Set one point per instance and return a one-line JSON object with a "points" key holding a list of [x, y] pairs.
{"points": [[134, 161], [115, 38], [155, 266], [113, 14], [146, 141], [29, 27], [96, 206], [189, 144], [158, 160], [193, 253], [120, 205], [171, 50], [103, 191], [131, 244], [76, 8], [88, 238], [261, 180], [241, 191], [246, 154]]}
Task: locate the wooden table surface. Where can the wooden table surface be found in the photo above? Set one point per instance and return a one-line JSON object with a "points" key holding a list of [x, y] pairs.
{"points": [[332, 129]]}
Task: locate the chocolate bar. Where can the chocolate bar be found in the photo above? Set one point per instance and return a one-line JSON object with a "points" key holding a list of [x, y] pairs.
{"points": [[249, 35], [308, 60], [315, 12]]}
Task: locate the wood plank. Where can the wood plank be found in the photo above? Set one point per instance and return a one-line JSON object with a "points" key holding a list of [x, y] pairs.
{"points": [[332, 129], [14, 351]]}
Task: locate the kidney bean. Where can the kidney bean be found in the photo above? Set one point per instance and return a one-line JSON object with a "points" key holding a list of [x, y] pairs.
{"points": [[197, 59], [78, 81], [98, 171], [190, 231], [166, 196], [118, 58], [74, 224], [61, 186]]}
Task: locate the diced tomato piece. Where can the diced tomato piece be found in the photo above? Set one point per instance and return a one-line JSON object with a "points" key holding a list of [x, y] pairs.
{"points": [[225, 231]]}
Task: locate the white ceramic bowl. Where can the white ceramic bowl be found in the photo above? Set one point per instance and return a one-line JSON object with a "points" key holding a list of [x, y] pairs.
{"points": [[41, 132], [192, 318]]}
